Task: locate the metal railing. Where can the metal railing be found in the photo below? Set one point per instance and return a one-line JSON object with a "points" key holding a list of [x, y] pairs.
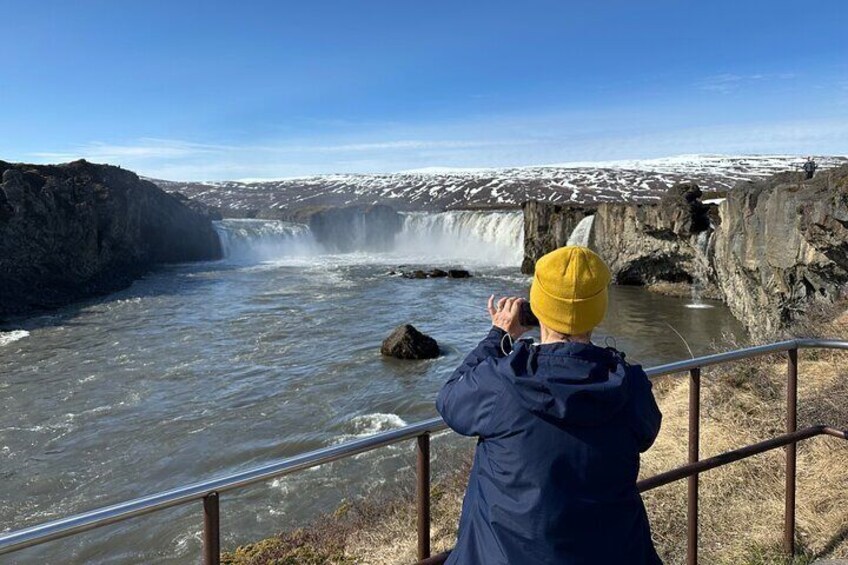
{"points": [[209, 491]]}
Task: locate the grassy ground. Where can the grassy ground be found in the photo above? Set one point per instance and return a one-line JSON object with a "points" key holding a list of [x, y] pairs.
{"points": [[741, 504]]}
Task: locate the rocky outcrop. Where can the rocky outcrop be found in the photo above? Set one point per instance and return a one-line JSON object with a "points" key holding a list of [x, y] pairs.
{"points": [[548, 227], [406, 342], [771, 249], [782, 246], [432, 273], [657, 244], [644, 244], [76, 230]]}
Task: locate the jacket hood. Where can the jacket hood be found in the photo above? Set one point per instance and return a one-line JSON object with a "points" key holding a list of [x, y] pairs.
{"points": [[571, 383]]}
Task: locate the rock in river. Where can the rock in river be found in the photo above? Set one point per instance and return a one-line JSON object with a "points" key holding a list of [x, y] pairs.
{"points": [[406, 342], [432, 273], [459, 274]]}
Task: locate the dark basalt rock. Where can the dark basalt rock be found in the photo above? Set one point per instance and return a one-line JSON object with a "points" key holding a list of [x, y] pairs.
{"points": [[683, 203], [414, 275], [783, 246], [644, 244], [459, 274], [548, 227], [432, 273], [77, 230], [772, 249], [406, 342]]}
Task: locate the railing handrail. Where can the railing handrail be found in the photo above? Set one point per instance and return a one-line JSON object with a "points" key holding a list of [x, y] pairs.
{"points": [[70, 525]]}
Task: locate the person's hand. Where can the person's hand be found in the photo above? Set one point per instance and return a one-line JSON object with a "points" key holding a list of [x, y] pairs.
{"points": [[505, 315]]}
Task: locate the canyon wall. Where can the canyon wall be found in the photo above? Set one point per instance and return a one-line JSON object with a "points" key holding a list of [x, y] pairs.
{"points": [[76, 230], [769, 251], [548, 227], [783, 246]]}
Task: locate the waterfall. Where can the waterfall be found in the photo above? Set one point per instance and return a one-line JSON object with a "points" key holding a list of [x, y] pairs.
{"points": [[582, 232], [264, 240], [493, 238], [703, 241], [440, 239]]}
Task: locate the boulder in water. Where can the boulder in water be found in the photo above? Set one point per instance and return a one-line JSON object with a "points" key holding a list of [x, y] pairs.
{"points": [[417, 274], [459, 274], [406, 342], [434, 273]]}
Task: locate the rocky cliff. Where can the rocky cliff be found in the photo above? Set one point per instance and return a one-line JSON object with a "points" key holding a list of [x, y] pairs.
{"points": [[548, 227], [76, 230], [782, 246], [644, 244], [769, 250]]}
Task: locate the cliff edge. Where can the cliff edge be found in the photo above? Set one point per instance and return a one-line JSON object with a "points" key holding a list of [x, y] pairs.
{"points": [[771, 250], [782, 247], [76, 230]]}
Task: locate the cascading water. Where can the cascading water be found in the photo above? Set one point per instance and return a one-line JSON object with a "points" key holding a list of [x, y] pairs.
{"points": [[492, 238], [702, 249], [582, 232], [264, 240], [473, 238]]}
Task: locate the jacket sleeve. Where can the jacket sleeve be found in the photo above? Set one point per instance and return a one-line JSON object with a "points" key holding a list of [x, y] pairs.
{"points": [[646, 417], [467, 400]]}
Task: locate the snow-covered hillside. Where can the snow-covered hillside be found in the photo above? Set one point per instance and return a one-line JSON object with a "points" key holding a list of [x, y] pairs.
{"points": [[441, 189]]}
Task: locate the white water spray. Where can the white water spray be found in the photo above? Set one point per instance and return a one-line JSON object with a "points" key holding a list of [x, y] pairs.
{"points": [[492, 238], [10, 337], [264, 240], [702, 249], [444, 238]]}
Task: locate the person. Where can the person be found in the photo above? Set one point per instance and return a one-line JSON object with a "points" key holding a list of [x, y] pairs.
{"points": [[560, 426], [809, 168]]}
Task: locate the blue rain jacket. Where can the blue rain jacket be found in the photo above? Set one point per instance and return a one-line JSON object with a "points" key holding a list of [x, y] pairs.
{"points": [[560, 428]]}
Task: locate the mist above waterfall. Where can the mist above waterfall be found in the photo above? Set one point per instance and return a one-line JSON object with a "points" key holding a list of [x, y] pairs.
{"points": [[264, 240], [466, 237]]}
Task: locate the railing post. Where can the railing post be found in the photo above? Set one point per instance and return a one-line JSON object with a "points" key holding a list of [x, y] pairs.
{"points": [[791, 452], [694, 456], [211, 530], [423, 488]]}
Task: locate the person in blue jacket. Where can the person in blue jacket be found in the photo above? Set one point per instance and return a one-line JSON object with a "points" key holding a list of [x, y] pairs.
{"points": [[560, 426]]}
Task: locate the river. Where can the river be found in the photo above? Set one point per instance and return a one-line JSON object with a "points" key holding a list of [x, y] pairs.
{"points": [[202, 369]]}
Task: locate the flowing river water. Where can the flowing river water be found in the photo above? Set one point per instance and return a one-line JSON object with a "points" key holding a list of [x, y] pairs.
{"points": [[203, 369]]}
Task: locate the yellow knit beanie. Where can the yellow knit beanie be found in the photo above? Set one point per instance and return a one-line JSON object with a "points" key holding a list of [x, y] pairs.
{"points": [[569, 292]]}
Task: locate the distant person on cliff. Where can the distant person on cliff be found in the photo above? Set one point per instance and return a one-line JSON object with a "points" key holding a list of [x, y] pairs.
{"points": [[560, 427], [809, 168]]}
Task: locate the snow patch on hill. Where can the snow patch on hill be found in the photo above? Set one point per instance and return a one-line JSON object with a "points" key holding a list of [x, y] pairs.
{"points": [[437, 188]]}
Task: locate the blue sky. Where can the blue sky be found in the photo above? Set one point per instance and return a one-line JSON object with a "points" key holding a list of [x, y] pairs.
{"points": [[222, 90]]}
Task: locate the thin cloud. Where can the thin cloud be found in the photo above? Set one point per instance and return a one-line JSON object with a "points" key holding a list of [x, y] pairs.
{"points": [[145, 148], [152, 148], [499, 144], [726, 83]]}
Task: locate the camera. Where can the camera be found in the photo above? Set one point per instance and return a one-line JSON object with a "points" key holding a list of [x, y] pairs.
{"points": [[526, 317]]}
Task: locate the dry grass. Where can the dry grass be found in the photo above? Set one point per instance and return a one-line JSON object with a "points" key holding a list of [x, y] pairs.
{"points": [[741, 504]]}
